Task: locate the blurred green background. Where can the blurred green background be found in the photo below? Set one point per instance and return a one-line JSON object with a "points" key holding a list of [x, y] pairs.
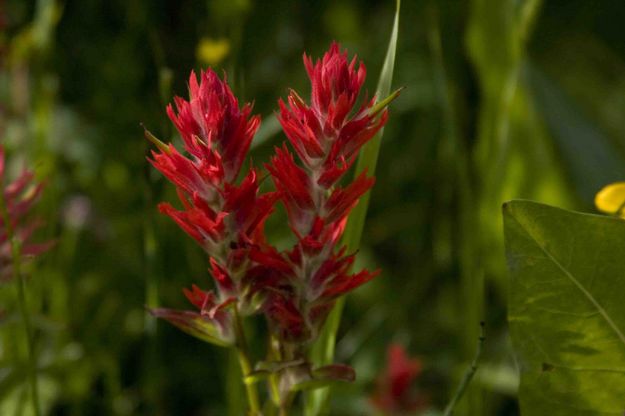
{"points": [[504, 99]]}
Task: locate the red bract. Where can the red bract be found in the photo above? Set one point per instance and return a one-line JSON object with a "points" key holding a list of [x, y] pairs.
{"points": [[326, 135], [394, 393], [224, 217], [212, 323], [212, 115], [19, 198]]}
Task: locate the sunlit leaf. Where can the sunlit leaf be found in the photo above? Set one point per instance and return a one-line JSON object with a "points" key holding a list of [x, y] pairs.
{"points": [[566, 314]]}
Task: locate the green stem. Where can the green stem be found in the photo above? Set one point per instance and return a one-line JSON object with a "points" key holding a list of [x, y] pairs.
{"points": [[21, 298], [244, 362], [468, 376], [284, 409], [274, 379]]}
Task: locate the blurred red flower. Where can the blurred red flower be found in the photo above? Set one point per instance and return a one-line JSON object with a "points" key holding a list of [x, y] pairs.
{"points": [[19, 198], [394, 393]]}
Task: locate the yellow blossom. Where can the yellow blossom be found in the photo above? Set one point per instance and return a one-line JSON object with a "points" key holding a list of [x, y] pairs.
{"points": [[611, 199], [212, 51]]}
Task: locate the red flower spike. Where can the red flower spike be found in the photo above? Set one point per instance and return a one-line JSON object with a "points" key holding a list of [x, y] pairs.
{"points": [[335, 82], [212, 117], [327, 135], [19, 198], [331, 131], [226, 219], [394, 394]]}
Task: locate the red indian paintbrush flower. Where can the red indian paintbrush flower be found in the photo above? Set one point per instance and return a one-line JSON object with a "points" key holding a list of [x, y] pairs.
{"points": [[19, 198], [394, 393], [326, 135], [295, 289], [225, 218]]}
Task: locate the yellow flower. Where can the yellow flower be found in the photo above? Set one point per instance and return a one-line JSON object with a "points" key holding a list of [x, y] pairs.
{"points": [[212, 51], [611, 199]]}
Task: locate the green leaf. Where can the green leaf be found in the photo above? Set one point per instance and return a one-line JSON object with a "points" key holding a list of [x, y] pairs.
{"points": [[195, 324], [323, 350], [566, 311]]}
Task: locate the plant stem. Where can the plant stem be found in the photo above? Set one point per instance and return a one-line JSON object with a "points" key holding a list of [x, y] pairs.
{"points": [[468, 375], [274, 380], [244, 361], [21, 299]]}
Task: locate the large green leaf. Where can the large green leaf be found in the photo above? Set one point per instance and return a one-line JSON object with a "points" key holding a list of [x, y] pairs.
{"points": [[566, 313]]}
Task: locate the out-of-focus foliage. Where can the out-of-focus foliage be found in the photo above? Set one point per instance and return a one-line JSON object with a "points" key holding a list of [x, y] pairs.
{"points": [[490, 112]]}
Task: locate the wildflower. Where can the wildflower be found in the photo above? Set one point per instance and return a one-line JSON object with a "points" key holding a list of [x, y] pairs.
{"points": [[611, 199], [295, 289], [223, 217], [394, 393], [326, 136], [211, 51], [19, 197]]}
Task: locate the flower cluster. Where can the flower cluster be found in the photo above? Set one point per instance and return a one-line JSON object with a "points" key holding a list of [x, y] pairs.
{"points": [[225, 218], [326, 135], [295, 289], [19, 197]]}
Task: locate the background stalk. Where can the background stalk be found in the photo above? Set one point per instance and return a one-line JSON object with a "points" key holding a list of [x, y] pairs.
{"points": [[468, 376], [21, 300]]}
